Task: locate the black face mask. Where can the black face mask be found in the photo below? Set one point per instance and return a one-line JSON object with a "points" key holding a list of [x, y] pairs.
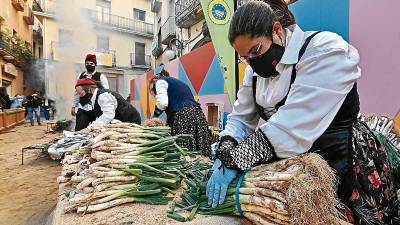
{"points": [[90, 68], [265, 64], [86, 99]]}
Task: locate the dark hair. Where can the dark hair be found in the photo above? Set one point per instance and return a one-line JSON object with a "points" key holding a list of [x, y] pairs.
{"points": [[86, 88], [164, 73], [255, 18], [282, 12]]}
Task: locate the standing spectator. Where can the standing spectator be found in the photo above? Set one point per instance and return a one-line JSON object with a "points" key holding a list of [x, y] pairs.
{"points": [[33, 105], [5, 101], [46, 107]]}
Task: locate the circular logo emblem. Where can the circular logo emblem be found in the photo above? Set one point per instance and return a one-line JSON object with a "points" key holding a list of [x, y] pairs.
{"points": [[219, 12]]}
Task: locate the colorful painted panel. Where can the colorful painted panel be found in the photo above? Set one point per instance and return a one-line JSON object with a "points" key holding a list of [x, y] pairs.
{"points": [[331, 15], [374, 31]]}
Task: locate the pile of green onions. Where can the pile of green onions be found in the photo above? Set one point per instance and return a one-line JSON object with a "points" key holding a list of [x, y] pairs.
{"points": [[132, 164], [299, 190]]}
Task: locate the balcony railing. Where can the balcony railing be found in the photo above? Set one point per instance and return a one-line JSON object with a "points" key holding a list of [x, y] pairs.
{"points": [[18, 5], [44, 8], [156, 5], [37, 31], [156, 48], [29, 18], [188, 12], [19, 55], [37, 6], [168, 31], [123, 24], [140, 60]]}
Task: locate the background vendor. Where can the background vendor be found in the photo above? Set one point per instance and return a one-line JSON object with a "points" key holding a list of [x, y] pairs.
{"points": [[184, 114], [83, 115], [107, 105]]}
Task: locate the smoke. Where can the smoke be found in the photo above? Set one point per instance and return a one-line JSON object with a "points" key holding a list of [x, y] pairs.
{"points": [[75, 40], [34, 80]]}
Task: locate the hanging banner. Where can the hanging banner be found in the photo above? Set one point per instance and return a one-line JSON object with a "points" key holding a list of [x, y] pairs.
{"points": [[218, 14]]}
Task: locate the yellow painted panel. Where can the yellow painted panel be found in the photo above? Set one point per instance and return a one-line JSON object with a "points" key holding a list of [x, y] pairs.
{"points": [[104, 59], [242, 68], [397, 121]]}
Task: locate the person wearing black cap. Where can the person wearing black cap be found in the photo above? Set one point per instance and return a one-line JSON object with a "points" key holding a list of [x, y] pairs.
{"points": [[184, 114], [83, 117], [107, 105]]}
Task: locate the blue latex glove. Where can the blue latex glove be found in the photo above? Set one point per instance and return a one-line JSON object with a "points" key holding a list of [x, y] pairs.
{"points": [[218, 183]]}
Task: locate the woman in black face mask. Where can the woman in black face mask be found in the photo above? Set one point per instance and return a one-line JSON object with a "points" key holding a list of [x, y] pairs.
{"points": [[303, 84]]}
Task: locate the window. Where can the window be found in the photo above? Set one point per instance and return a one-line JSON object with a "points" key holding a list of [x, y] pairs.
{"points": [[140, 53], [65, 38], [40, 53], [139, 14], [103, 43], [113, 83], [34, 49], [103, 11]]}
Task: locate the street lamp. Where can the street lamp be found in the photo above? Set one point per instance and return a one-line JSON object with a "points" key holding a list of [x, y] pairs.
{"points": [[170, 53]]}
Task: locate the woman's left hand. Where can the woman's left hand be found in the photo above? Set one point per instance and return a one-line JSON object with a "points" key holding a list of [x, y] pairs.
{"points": [[218, 183]]}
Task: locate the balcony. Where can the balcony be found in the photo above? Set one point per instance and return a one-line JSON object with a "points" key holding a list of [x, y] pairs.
{"points": [[140, 60], [43, 9], [29, 18], [122, 24], [188, 13], [156, 48], [156, 5], [37, 32], [168, 31], [18, 5], [37, 6], [17, 54]]}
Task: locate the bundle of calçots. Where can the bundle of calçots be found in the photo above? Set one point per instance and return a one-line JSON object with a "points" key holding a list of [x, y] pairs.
{"points": [[128, 163], [299, 190]]}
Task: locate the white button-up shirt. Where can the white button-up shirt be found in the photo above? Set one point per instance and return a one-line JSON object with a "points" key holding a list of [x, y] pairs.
{"points": [[325, 75], [108, 105], [104, 83]]}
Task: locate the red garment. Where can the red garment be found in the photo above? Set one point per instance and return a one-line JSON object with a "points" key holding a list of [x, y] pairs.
{"points": [[85, 81]]}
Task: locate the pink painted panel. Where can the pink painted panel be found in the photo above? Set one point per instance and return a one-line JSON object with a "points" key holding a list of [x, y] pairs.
{"points": [[375, 32], [173, 68], [221, 98]]}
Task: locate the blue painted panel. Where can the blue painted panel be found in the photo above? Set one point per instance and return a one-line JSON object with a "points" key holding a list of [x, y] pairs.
{"points": [[325, 15], [183, 77], [137, 93], [214, 81]]}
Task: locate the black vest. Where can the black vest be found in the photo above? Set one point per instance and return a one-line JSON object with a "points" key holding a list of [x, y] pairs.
{"points": [[125, 112], [336, 140], [179, 97], [96, 76]]}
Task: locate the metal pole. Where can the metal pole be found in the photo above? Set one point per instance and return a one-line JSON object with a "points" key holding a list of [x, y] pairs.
{"points": [[236, 58]]}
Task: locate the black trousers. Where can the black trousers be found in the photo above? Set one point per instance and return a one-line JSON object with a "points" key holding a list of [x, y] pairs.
{"points": [[83, 119]]}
